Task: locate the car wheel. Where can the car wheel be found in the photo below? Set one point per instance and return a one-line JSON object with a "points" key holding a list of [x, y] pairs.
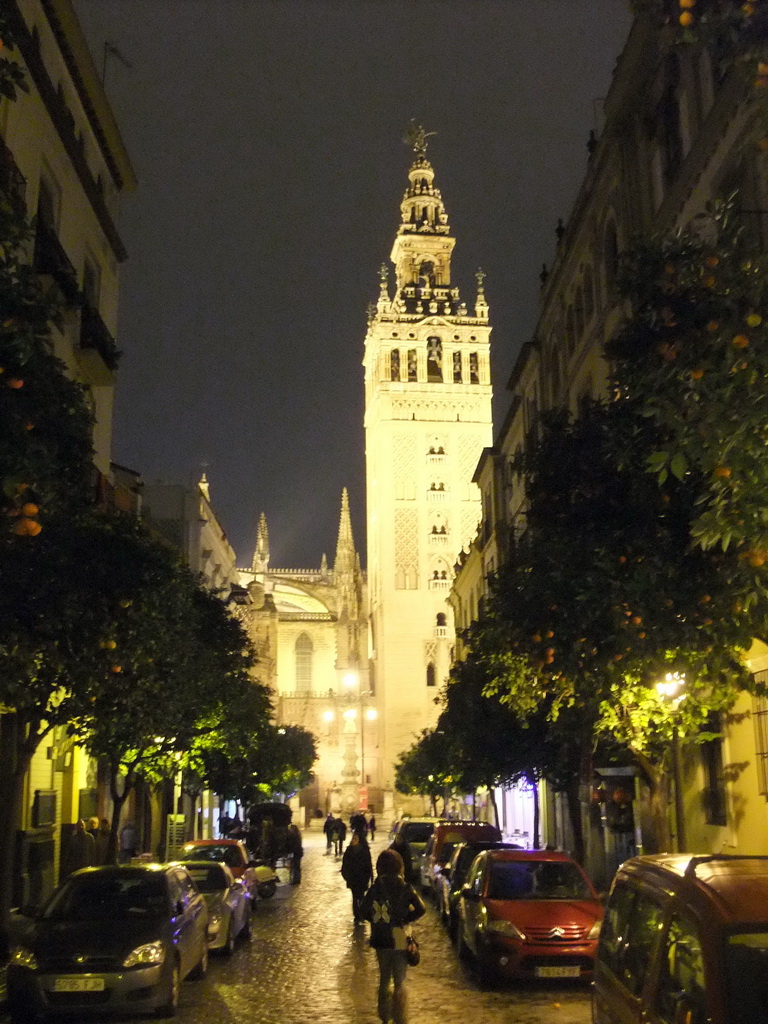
{"points": [[229, 943], [202, 967], [485, 973], [171, 1005], [267, 890], [465, 953]]}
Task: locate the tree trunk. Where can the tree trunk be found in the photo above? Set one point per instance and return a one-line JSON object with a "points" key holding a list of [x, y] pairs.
{"points": [[656, 836], [535, 841], [18, 743], [574, 814], [118, 802], [492, 794]]}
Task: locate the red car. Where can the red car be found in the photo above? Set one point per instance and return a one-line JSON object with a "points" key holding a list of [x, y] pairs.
{"points": [[529, 914]]}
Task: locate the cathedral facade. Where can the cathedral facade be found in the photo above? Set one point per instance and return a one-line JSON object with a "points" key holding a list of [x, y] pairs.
{"points": [[427, 421], [309, 631]]}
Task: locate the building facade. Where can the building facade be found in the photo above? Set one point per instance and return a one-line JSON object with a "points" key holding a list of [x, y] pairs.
{"points": [[309, 631], [427, 419], [682, 126], [63, 162]]}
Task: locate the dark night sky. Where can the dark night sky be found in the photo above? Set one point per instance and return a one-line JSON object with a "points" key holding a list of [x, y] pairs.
{"points": [[266, 135]]}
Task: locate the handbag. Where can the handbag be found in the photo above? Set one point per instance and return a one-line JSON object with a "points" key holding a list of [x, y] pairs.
{"points": [[412, 954]]}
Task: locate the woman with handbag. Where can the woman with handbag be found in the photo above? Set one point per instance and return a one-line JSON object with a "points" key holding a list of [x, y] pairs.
{"points": [[391, 905]]}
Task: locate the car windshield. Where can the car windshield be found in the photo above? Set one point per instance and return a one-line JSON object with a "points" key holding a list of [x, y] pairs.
{"points": [[110, 895], [746, 957], [537, 880], [224, 854], [417, 831], [209, 879]]}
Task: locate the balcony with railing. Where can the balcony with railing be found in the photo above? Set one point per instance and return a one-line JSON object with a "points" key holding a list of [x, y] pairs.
{"points": [[51, 259], [95, 337], [437, 540], [434, 494], [439, 584]]}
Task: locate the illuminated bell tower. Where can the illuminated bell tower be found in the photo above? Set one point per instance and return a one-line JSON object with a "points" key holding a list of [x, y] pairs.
{"points": [[427, 420]]}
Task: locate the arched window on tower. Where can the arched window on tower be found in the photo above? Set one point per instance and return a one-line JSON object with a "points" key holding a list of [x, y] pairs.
{"points": [[431, 674], [303, 649], [434, 360], [413, 366], [457, 367], [441, 619], [474, 368], [394, 364]]}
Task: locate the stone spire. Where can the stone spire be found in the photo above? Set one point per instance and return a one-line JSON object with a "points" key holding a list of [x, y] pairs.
{"points": [[344, 563], [261, 554]]}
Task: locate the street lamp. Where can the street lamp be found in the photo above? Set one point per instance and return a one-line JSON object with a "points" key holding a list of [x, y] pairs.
{"points": [[669, 688]]}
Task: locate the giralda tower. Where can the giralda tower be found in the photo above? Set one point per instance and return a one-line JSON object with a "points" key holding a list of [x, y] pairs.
{"points": [[427, 420]]}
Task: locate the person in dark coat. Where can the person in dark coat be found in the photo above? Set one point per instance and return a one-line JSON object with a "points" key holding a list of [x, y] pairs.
{"points": [[358, 823], [390, 905], [400, 845], [357, 872], [328, 830], [296, 850], [339, 835]]}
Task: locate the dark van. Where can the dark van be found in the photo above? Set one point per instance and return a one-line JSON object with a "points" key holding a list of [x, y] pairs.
{"points": [[684, 941]]}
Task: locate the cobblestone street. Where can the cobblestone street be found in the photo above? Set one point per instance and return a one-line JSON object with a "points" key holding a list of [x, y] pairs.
{"points": [[306, 963]]}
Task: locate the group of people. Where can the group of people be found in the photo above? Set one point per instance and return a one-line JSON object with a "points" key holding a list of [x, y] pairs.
{"points": [[390, 903], [335, 830], [90, 844]]}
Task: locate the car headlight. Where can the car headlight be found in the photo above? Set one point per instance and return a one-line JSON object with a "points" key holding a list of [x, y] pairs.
{"points": [[214, 924], [149, 954], [23, 957], [499, 927], [594, 931]]}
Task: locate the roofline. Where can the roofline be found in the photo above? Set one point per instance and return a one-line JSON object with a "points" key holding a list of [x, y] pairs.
{"points": [[79, 60]]}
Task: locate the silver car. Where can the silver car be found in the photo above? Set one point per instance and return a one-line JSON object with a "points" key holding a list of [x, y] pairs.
{"points": [[228, 902]]}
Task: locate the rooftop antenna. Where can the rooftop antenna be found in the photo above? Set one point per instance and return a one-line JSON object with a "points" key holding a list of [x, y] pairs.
{"points": [[112, 50]]}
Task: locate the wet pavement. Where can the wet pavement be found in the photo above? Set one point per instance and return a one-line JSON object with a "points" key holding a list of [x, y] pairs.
{"points": [[307, 963]]}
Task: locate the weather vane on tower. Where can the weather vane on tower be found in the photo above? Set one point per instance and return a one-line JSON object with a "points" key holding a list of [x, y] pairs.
{"points": [[416, 137]]}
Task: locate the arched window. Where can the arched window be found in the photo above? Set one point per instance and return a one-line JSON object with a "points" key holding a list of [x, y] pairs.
{"points": [[589, 293], [434, 359], [441, 620], [570, 330], [610, 255], [413, 366], [474, 368], [431, 674], [457, 367], [394, 364], [303, 650]]}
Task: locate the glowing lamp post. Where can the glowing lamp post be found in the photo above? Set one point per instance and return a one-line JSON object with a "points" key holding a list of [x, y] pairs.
{"points": [[671, 688]]}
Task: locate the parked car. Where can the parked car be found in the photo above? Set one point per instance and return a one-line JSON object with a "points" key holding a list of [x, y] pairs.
{"points": [[529, 914], [445, 836], [454, 874], [109, 939], [228, 902], [685, 939], [259, 878]]}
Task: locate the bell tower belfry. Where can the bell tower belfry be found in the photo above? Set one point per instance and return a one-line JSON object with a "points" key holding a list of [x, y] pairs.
{"points": [[427, 420]]}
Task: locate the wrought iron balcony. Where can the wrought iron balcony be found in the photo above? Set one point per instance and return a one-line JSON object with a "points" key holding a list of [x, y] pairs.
{"points": [[95, 335], [50, 258]]}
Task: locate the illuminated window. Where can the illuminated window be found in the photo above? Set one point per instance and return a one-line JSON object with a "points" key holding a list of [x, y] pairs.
{"points": [[303, 662]]}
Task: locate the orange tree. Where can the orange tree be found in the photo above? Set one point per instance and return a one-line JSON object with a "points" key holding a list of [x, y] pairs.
{"points": [[646, 546]]}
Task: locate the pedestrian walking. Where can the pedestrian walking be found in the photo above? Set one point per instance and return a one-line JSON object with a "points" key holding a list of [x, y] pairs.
{"points": [[400, 845], [372, 826], [391, 905], [358, 823], [296, 850], [82, 849], [328, 830], [129, 841], [357, 872], [339, 835], [103, 836]]}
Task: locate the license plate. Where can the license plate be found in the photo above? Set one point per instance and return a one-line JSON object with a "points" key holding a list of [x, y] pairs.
{"points": [[558, 972], [78, 985]]}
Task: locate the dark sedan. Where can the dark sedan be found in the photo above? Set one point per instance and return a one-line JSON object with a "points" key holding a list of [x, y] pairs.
{"points": [[110, 938], [452, 877]]}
